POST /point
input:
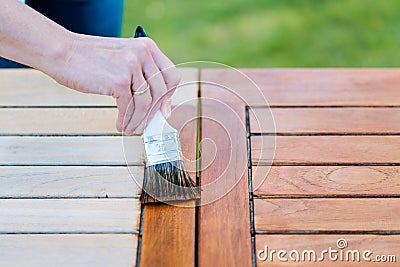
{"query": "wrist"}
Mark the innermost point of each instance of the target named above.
(58, 52)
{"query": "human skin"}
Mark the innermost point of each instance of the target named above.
(90, 64)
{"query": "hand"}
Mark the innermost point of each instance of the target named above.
(117, 67)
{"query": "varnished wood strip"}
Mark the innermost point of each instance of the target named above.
(327, 214)
(28, 87)
(69, 215)
(171, 229)
(326, 180)
(326, 120)
(97, 150)
(224, 224)
(168, 235)
(68, 250)
(326, 149)
(70, 182)
(314, 87)
(386, 246)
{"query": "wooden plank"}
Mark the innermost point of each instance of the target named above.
(69, 182)
(378, 245)
(326, 180)
(58, 121)
(68, 250)
(326, 120)
(315, 87)
(172, 230)
(327, 214)
(224, 215)
(28, 87)
(168, 236)
(98, 150)
(69, 216)
(326, 149)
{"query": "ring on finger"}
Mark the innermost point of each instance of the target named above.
(143, 91)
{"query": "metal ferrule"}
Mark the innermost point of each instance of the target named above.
(162, 148)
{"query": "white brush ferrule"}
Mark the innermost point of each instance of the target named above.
(161, 141)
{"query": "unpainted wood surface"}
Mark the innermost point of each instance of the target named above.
(93, 150)
(48, 250)
(69, 216)
(327, 180)
(27, 87)
(224, 226)
(337, 214)
(379, 246)
(326, 120)
(326, 149)
(33, 104)
(70, 182)
(315, 87)
(58, 121)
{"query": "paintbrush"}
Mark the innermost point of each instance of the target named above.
(165, 178)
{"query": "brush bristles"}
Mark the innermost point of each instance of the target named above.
(168, 182)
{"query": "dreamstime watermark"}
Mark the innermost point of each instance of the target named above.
(339, 253)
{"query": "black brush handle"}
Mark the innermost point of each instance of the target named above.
(140, 32)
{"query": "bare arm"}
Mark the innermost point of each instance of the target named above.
(90, 64)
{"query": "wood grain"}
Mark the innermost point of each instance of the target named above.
(28, 87)
(69, 216)
(326, 180)
(315, 87)
(327, 214)
(224, 226)
(69, 182)
(68, 250)
(378, 245)
(98, 150)
(326, 120)
(326, 149)
(168, 236)
(58, 121)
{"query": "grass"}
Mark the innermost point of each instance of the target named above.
(272, 33)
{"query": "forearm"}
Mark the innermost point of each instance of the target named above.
(30, 38)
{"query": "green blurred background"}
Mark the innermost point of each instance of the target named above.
(272, 33)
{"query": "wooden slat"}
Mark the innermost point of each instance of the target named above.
(69, 215)
(68, 250)
(27, 87)
(69, 182)
(58, 121)
(378, 245)
(169, 231)
(326, 120)
(172, 230)
(224, 224)
(316, 87)
(99, 150)
(326, 180)
(326, 149)
(327, 214)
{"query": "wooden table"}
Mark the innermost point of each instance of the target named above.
(68, 199)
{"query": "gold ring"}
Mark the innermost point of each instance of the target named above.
(142, 92)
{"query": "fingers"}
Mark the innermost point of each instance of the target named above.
(125, 110)
(158, 87)
(171, 75)
(152, 68)
(142, 102)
